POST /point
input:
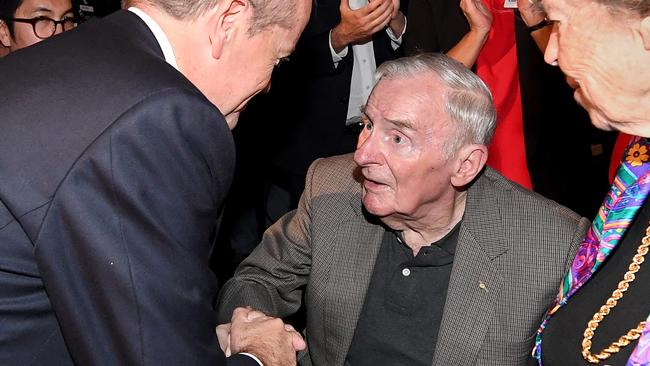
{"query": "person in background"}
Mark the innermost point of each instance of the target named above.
(601, 312)
(26, 22)
(115, 158)
(539, 124)
(411, 252)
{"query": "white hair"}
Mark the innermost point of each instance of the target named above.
(468, 100)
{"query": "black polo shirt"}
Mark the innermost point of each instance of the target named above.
(401, 316)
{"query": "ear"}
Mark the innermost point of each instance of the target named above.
(470, 160)
(228, 17)
(645, 32)
(5, 35)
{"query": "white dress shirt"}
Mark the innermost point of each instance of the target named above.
(363, 68)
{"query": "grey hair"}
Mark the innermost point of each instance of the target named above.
(468, 100)
(640, 8)
(266, 13)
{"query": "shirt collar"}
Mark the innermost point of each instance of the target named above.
(162, 39)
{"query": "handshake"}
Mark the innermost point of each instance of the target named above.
(269, 339)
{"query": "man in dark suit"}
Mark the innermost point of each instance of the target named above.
(115, 157)
(414, 253)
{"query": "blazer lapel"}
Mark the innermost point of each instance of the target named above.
(357, 244)
(475, 281)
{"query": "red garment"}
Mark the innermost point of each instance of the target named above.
(497, 65)
(622, 140)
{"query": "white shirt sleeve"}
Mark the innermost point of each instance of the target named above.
(337, 57)
(395, 41)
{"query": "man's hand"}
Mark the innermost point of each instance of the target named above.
(358, 26)
(397, 19)
(268, 338)
(478, 16)
(223, 335)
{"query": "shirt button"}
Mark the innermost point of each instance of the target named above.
(406, 272)
(364, 60)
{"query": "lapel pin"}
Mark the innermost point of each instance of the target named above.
(482, 286)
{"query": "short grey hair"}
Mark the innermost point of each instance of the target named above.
(641, 8)
(468, 100)
(265, 12)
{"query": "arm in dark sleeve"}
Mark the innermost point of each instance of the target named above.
(124, 248)
(313, 55)
(420, 34)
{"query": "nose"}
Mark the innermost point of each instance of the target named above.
(550, 54)
(364, 153)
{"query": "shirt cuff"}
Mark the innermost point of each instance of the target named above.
(253, 357)
(337, 57)
(395, 41)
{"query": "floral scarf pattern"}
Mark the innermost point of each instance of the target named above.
(628, 192)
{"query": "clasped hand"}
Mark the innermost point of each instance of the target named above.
(266, 337)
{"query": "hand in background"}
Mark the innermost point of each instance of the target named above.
(358, 25)
(397, 19)
(478, 16)
(531, 12)
(268, 338)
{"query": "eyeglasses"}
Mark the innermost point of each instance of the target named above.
(45, 27)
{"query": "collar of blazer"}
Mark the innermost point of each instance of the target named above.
(482, 218)
(473, 288)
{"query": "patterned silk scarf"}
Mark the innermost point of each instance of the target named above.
(628, 192)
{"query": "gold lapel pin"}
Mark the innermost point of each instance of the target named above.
(482, 286)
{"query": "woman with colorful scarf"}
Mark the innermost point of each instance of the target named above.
(601, 314)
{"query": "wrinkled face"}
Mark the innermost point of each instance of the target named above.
(23, 35)
(604, 60)
(400, 149)
(260, 54)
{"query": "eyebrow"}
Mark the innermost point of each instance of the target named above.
(399, 123)
(48, 10)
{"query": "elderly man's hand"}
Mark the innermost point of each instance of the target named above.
(358, 25)
(268, 338)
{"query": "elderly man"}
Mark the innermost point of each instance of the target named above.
(115, 157)
(414, 253)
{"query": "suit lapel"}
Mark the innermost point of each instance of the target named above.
(357, 244)
(475, 281)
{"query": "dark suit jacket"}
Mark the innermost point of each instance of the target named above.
(113, 168)
(515, 242)
(555, 126)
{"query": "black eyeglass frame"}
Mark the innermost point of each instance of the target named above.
(33, 21)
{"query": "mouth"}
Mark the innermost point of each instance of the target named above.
(372, 185)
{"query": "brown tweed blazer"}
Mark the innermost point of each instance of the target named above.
(514, 247)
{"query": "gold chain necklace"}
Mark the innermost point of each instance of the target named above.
(611, 302)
